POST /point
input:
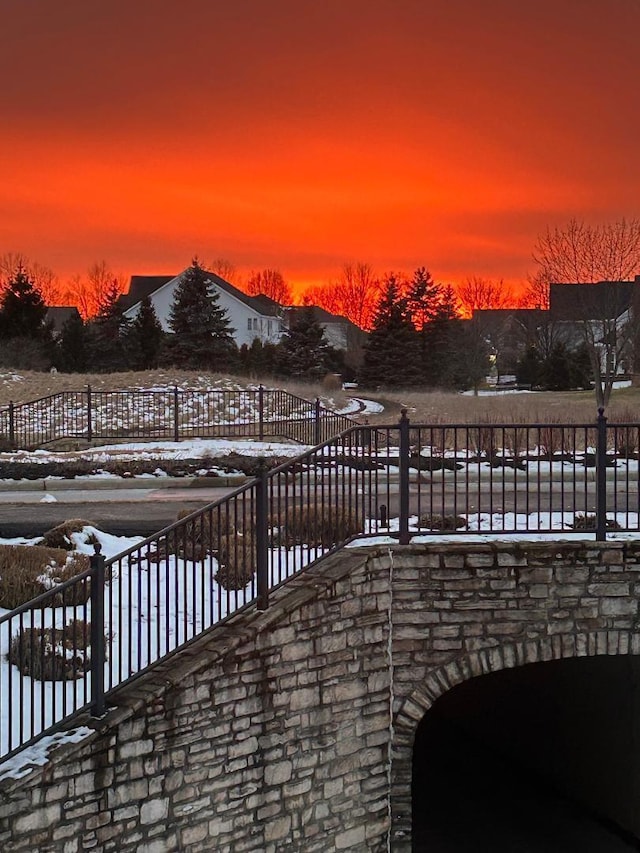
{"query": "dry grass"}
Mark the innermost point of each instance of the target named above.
(26, 571)
(33, 385)
(318, 526)
(60, 535)
(53, 654)
(434, 407)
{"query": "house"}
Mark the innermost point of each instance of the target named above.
(339, 332)
(508, 333)
(58, 315)
(250, 317)
(604, 315)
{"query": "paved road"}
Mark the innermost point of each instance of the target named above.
(124, 512)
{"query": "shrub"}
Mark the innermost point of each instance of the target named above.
(588, 522)
(60, 535)
(318, 525)
(442, 522)
(53, 654)
(203, 534)
(26, 571)
(332, 382)
(236, 561)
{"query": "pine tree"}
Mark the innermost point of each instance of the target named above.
(22, 308)
(106, 332)
(202, 335)
(144, 338)
(391, 354)
(443, 350)
(72, 348)
(303, 350)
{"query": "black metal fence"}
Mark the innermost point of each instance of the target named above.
(172, 414)
(77, 642)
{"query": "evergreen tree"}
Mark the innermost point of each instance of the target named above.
(423, 299)
(303, 350)
(258, 358)
(144, 338)
(72, 348)
(22, 309)
(106, 332)
(391, 354)
(202, 335)
(528, 368)
(444, 354)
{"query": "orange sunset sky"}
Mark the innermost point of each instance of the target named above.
(309, 133)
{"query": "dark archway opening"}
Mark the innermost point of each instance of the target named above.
(537, 759)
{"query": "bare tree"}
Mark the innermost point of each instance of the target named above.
(600, 259)
(354, 294)
(43, 278)
(583, 254)
(88, 292)
(536, 294)
(271, 283)
(478, 294)
(225, 269)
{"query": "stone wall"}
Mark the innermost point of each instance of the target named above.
(274, 733)
(271, 735)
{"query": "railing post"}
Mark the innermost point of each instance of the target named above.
(601, 478)
(176, 414)
(317, 431)
(12, 426)
(261, 411)
(89, 415)
(262, 544)
(97, 632)
(404, 479)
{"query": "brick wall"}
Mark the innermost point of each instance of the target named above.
(273, 733)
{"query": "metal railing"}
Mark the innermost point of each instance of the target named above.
(101, 629)
(171, 414)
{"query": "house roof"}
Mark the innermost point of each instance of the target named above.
(320, 314)
(141, 286)
(58, 315)
(602, 300)
(145, 285)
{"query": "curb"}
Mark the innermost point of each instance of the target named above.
(97, 483)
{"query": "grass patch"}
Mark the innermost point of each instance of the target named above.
(317, 525)
(26, 571)
(53, 654)
(60, 535)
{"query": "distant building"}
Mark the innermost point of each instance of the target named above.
(250, 317)
(509, 332)
(339, 332)
(57, 316)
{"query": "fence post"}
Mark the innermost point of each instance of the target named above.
(317, 431)
(176, 415)
(404, 479)
(262, 545)
(89, 415)
(601, 478)
(261, 411)
(12, 426)
(97, 632)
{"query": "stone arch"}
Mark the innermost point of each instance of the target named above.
(466, 666)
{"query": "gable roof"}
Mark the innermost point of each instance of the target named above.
(602, 300)
(141, 286)
(58, 315)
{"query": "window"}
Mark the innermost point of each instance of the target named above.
(249, 323)
(255, 324)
